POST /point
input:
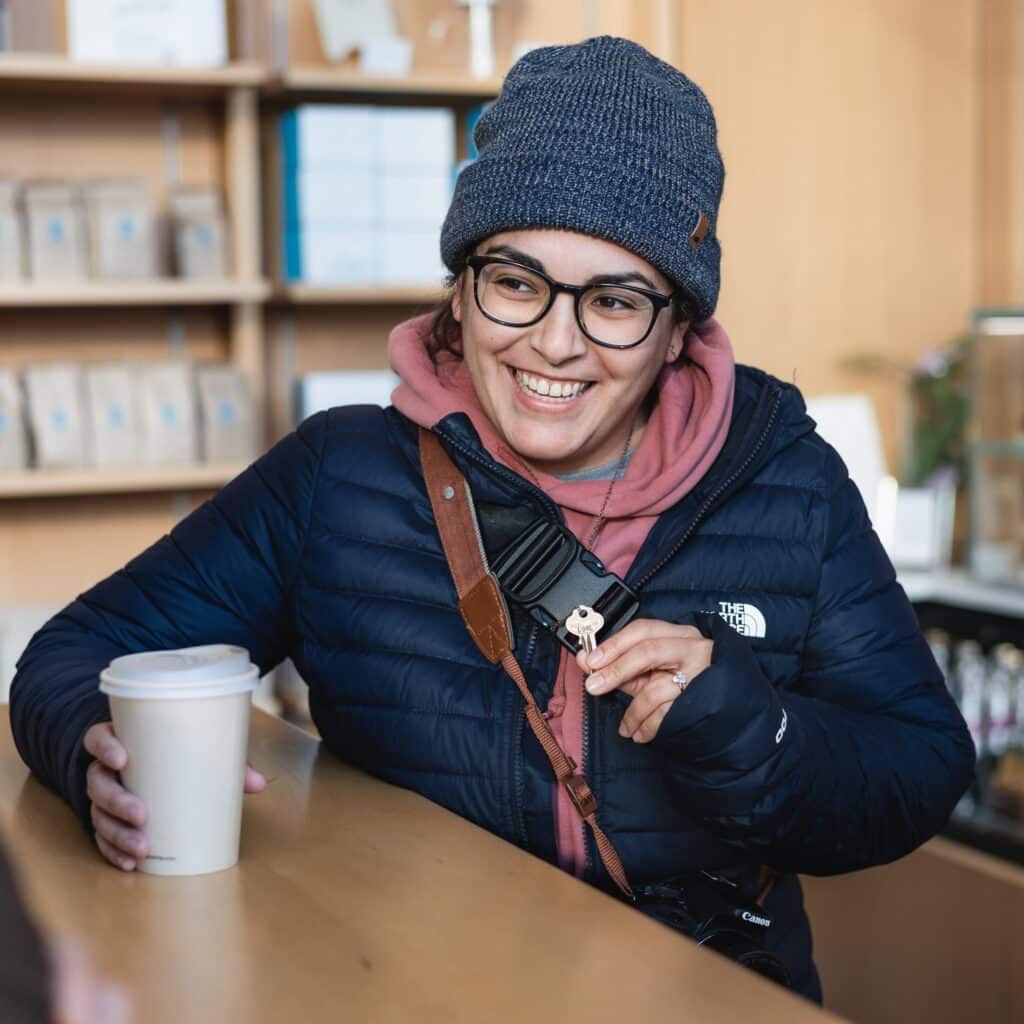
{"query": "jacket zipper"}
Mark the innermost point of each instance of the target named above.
(687, 533)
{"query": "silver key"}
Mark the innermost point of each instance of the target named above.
(584, 624)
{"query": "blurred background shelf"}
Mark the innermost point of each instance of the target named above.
(322, 83)
(371, 295)
(44, 73)
(954, 588)
(40, 483)
(168, 292)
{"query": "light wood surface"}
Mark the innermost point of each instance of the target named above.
(384, 295)
(165, 292)
(306, 82)
(936, 937)
(37, 483)
(850, 136)
(45, 72)
(355, 900)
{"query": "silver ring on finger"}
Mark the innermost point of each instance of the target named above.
(679, 678)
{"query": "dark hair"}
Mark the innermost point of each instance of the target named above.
(445, 334)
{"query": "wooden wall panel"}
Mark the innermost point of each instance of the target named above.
(1000, 145)
(52, 549)
(849, 133)
(936, 937)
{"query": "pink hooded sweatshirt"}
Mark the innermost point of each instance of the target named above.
(684, 434)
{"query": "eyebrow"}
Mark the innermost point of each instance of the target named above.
(629, 277)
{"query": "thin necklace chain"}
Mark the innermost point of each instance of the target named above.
(617, 474)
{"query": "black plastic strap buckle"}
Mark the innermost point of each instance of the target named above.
(548, 572)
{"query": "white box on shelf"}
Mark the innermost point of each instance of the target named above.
(418, 137)
(121, 230)
(11, 233)
(112, 414)
(167, 406)
(390, 57)
(340, 195)
(185, 33)
(55, 415)
(200, 233)
(226, 414)
(410, 257)
(55, 232)
(319, 135)
(414, 199)
(13, 438)
(326, 389)
(342, 256)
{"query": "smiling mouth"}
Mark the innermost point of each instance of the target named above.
(546, 389)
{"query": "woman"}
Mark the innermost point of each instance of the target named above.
(773, 702)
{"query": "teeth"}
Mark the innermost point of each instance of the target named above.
(549, 388)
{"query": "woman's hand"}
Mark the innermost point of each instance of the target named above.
(640, 660)
(117, 815)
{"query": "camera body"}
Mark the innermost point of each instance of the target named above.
(709, 909)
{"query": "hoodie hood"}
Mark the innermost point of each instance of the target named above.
(686, 430)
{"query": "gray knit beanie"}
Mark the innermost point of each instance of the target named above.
(603, 138)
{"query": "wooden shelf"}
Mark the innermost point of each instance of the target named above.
(369, 295)
(322, 82)
(45, 73)
(42, 483)
(166, 292)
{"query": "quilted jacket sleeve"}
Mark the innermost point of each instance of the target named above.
(222, 575)
(857, 766)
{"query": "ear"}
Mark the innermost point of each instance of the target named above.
(677, 342)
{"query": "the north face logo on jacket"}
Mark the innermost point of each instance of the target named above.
(746, 619)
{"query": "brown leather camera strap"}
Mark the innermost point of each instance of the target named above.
(486, 616)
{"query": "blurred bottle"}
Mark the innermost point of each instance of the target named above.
(942, 651)
(1001, 698)
(970, 672)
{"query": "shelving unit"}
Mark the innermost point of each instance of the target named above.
(377, 295)
(164, 292)
(48, 483)
(304, 83)
(45, 73)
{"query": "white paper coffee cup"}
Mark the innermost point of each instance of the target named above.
(183, 716)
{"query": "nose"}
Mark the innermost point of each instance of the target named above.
(558, 337)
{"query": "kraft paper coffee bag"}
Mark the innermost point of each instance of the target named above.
(11, 233)
(55, 232)
(13, 439)
(121, 230)
(167, 405)
(115, 428)
(200, 233)
(226, 414)
(54, 396)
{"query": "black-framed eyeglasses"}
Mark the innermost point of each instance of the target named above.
(611, 315)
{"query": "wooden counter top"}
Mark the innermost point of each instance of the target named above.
(356, 900)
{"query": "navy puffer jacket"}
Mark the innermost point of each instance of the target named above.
(820, 740)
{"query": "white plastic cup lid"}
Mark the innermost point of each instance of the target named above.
(215, 670)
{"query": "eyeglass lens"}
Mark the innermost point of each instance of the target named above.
(611, 314)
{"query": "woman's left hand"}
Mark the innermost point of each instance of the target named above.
(640, 660)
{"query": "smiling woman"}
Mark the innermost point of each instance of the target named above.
(718, 667)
